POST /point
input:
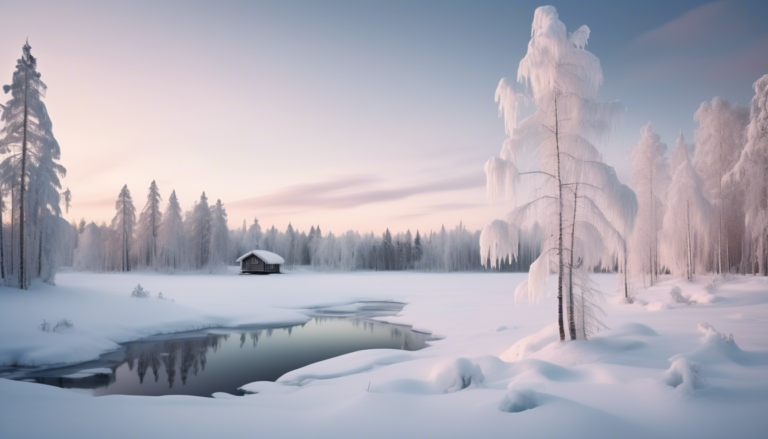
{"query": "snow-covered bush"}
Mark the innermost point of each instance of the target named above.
(518, 400)
(140, 292)
(677, 296)
(711, 335)
(161, 297)
(684, 375)
(457, 375)
(62, 324)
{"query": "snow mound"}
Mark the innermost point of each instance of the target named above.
(348, 364)
(457, 375)
(684, 375)
(531, 344)
(518, 400)
(633, 329)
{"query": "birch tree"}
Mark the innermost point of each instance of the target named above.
(650, 178)
(686, 218)
(719, 141)
(751, 173)
(562, 80)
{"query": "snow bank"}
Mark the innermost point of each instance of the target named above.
(625, 381)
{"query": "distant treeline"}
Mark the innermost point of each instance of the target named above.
(200, 240)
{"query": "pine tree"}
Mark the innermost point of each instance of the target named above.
(171, 237)
(148, 226)
(31, 171)
(123, 223)
(219, 235)
(200, 232)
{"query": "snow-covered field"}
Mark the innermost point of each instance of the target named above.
(663, 369)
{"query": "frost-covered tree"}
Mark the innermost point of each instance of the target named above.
(686, 218)
(650, 179)
(123, 224)
(171, 239)
(89, 255)
(751, 173)
(562, 79)
(148, 227)
(199, 224)
(254, 236)
(31, 171)
(720, 139)
(219, 235)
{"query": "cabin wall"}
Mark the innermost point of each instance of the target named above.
(252, 263)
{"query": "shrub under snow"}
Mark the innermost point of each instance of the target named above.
(458, 375)
(140, 292)
(684, 375)
(518, 400)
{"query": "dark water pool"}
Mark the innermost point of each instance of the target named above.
(222, 360)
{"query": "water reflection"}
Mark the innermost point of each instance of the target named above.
(222, 362)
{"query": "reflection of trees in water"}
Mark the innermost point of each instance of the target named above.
(255, 337)
(191, 355)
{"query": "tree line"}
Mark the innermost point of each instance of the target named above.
(165, 239)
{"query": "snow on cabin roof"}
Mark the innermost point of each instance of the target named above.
(268, 257)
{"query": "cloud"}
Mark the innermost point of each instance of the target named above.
(436, 208)
(715, 41)
(353, 191)
(701, 24)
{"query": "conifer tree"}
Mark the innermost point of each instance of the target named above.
(123, 223)
(147, 230)
(31, 171)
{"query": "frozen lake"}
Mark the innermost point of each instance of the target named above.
(200, 363)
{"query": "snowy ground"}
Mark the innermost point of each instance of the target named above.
(663, 369)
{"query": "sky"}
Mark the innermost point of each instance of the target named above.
(350, 115)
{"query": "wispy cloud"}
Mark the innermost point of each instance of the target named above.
(699, 25)
(353, 191)
(709, 42)
(437, 208)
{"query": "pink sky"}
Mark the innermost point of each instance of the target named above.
(362, 117)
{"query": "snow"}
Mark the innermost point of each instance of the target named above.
(684, 370)
(266, 256)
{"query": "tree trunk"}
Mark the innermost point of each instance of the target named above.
(653, 228)
(560, 236)
(688, 258)
(2, 243)
(571, 317)
(22, 273)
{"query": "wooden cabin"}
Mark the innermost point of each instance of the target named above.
(260, 262)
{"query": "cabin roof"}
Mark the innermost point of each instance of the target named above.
(268, 257)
